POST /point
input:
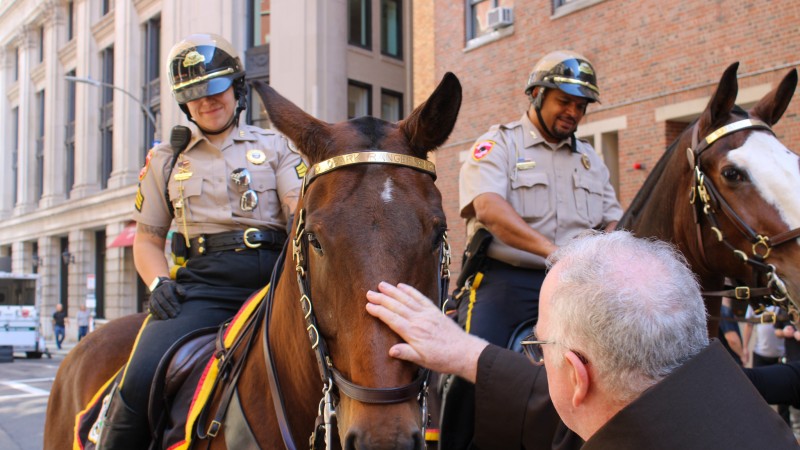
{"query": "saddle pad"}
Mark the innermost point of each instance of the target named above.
(202, 394)
(87, 427)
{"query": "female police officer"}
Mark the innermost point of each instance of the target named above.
(230, 190)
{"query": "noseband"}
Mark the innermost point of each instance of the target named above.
(333, 381)
(710, 201)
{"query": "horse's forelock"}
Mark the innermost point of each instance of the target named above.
(371, 130)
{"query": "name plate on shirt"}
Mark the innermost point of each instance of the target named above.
(526, 165)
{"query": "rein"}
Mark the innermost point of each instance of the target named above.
(711, 202)
(333, 381)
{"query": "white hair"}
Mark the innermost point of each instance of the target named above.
(631, 306)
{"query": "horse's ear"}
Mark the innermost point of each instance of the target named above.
(773, 105)
(431, 123)
(307, 132)
(722, 102)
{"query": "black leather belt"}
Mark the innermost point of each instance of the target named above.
(237, 240)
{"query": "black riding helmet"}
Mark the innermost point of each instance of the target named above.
(202, 65)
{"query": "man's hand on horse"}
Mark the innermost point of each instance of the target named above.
(165, 300)
(432, 339)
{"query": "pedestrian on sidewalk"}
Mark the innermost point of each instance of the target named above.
(83, 317)
(59, 324)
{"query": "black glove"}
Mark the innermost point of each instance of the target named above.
(165, 300)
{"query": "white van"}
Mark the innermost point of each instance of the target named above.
(19, 314)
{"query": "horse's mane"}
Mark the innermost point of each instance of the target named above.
(637, 205)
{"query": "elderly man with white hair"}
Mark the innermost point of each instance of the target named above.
(622, 335)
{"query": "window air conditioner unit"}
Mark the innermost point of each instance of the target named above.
(499, 17)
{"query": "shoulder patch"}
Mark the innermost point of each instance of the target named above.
(482, 149)
(139, 199)
(143, 172)
(301, 169)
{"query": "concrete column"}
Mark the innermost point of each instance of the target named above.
(308, 55)
(7, 56)
(87, 140)
(49, 278)
(27, 145)
(21, 257)
(55, 99)
(121, 276)
(128, 117)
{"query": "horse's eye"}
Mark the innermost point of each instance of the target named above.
(734, 174)
(439, 237)
(314, 243)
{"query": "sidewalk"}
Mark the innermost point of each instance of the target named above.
(65, 348)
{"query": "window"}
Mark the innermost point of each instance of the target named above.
(260, 22)
(391, 105)
(359, 23)
(359, 99)
(63, 279)
(69, 137)
(14, 153)
(100, 273)
(108, 6)
(392, 28)
(476, 16)
(107, 117)
(564, 7)
(35, 254)
(39, 145)
(70, 20)
(151, 91)
(604, 137)
(41, 44)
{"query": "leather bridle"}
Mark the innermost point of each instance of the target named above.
(711, 202)
(334, 383)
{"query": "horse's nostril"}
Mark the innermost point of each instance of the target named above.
(419, 441)
(350, 441)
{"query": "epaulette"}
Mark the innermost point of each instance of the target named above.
(510, 125)
(262, 131)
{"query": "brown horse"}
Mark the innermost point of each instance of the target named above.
(726, 193)
(369, 212)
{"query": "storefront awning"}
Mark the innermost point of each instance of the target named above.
(125, 237)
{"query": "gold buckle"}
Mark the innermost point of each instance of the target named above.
(213, 429)
(772, 317)
(247, 240)
(742, 292)
(763, 241)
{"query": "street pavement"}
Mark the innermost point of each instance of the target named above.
(24, 389)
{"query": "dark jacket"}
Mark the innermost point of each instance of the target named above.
(707, 403)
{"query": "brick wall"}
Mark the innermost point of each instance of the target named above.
(648, 54)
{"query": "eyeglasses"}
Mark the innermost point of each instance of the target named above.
(249, 199)
(532, 347)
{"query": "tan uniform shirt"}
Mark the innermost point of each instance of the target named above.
(207, 196)
(558, 192)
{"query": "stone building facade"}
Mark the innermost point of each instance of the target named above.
(71, 151)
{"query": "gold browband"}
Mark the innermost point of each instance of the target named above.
(370, 157)
(735, 126)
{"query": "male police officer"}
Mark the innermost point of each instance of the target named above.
(533, 186)
(230, 189)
